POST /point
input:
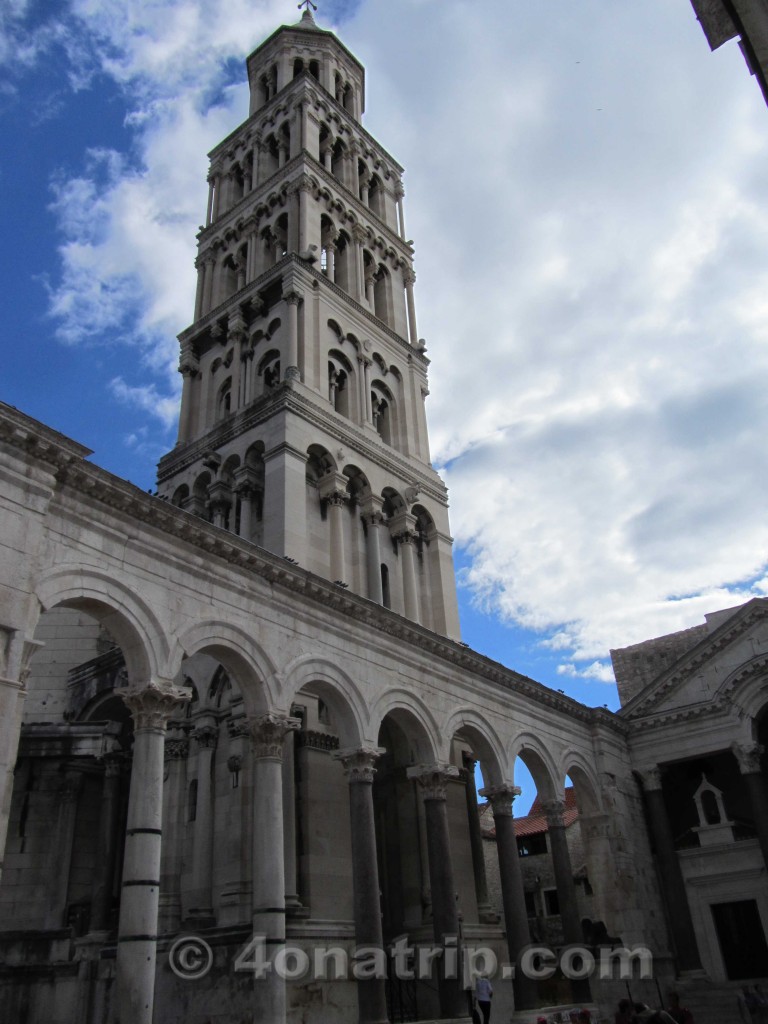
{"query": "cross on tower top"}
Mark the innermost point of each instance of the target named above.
(307, 4)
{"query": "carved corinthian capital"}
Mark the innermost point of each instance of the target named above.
(554, 810)
(268, 733)
(749, 756)
(152, 705)
(433, 778)
(358, 762)
(501, 799)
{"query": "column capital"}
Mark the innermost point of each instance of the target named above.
(359, 234)
(409, 276)
(206, 737)
(358, 762)
(153, 704)
(651, 777)
(501, 798)
(748, 756)
(554, 810)
(176, 749)
(433, 778)
(292, 298)
(268, 733)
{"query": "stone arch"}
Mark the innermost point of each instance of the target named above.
(240, 655)
(359, 486)
(415, 720)
(134, 625)
(486, 744)
(539, 763)
(585, 784)
(320, 463)
(268, 370)
(745, 687)
(342, 383)
(385, 415)
(324, 679)
(180, 496)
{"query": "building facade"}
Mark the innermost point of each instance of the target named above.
(239, 709)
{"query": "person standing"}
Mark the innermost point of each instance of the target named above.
(484, 995)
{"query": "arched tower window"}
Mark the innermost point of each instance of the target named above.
(386, 599)
(376, 197)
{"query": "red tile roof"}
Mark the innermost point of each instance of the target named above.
(535, 822)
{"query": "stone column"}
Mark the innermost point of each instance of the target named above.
(200, 266)
(245, 493)
(106, 856)
(405, 538)
(330, 268)
(189, 368)
(209, 212)
(373, 518)
(60, 850)
(445, 912)
(151, 706)
(209, 261)
(413, 334)
(267, 735)
(292, 901)
(12, 695)
(367, 407)
(305, 187)
(369, 290)
(335, 502)
(201, 909)
(358, 238)
(512, 891)
(749, 758)
(359, 769)
(291, 371)
(670, 875)
(237, 334)
(176, 751)
(476, 843)
(216, 195)
(399, 194)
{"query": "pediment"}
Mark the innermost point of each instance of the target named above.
(732, 649)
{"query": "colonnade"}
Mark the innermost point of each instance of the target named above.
(270, 736)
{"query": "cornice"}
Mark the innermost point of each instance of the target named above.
(48, 445)
(286, 397)
(101, 488)
(735, 626)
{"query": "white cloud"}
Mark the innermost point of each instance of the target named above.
(587, 196)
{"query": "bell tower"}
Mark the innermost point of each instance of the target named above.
(302, 424)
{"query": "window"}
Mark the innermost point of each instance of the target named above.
(551, 903)
(529, 846)
(530, 904)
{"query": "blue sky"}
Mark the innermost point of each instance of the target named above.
(586, 192)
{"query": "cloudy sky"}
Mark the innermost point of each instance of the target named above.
(587, 194)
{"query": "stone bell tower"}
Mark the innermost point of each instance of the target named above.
(302, 424)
